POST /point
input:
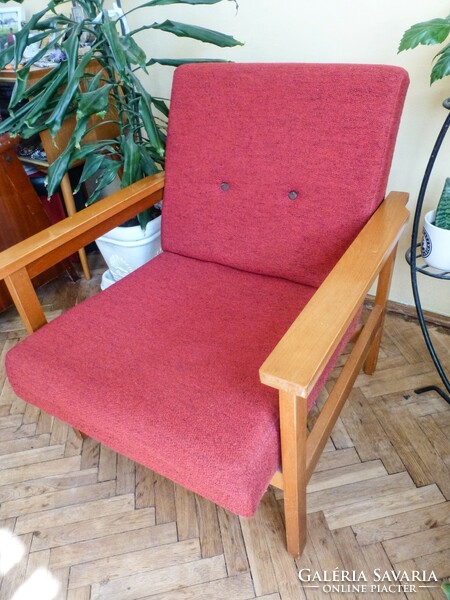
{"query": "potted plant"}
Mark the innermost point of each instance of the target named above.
(436, 233)
(436, 230)
(119, 128)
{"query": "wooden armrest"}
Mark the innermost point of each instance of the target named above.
(51, 245)
(299, 358)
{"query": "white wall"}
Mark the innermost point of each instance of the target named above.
(328, 31)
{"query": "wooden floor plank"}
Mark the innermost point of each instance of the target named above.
(376, 558)
(359, 492)
(66, 515)
(37, 471)
(232, 542)
(98, 527)
(106, 546)
(186, 513)
(56, 499)
(36, 487)
(325, 547)
(383, 506)
(340, 458)
(22, 444)
(264, 578)
(133, 562)
(161, 581)
(208, 528)
(400, 525)
(238, 587)
(284, 566)
(345, 475)
(418, 544)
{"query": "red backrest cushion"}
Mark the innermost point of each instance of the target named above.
(274, 168)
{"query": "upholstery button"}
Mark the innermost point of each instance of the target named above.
(292, 195)
(225, 186)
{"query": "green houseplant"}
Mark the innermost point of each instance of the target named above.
(432, 32)
(98, 86)
(111, 93)
(436, 234)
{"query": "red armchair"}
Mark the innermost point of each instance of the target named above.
(274, 228)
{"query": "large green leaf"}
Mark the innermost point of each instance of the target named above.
(161, 105)
(71, 47)
(148, 119)
(41, 100)
(133, 52)
(55, 120)
(14, 123)
(95, 102)
(434, 31)
(20, 87)
(94, 81)
(110, 169)
(22, 36)
(90, 168)
(197, 33)
(176, 62)
(117, 50)
(148, 165)
(6, 56)
(105, 146)
(131, 159)
(59, 168)
(80, 129)
(441, 67)
(46, 80)
(446, 590)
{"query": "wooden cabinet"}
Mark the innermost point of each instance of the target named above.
(21, 212)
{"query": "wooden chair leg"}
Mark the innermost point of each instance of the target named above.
(381, 298)
(293, 413)
(25, 299)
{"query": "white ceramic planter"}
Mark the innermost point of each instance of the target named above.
(435, 244)
(128, 248)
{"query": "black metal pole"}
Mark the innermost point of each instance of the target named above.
(413, 261)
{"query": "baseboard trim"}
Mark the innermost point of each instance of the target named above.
(410, 312)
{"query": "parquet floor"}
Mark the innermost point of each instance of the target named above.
(77, 517)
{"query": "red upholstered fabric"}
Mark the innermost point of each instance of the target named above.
(163, 367)
(242, 137)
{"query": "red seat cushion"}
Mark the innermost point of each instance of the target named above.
(163, 368)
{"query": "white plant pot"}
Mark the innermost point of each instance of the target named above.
(435, 244)
(127, 248)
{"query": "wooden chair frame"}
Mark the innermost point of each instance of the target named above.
(297, 361)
